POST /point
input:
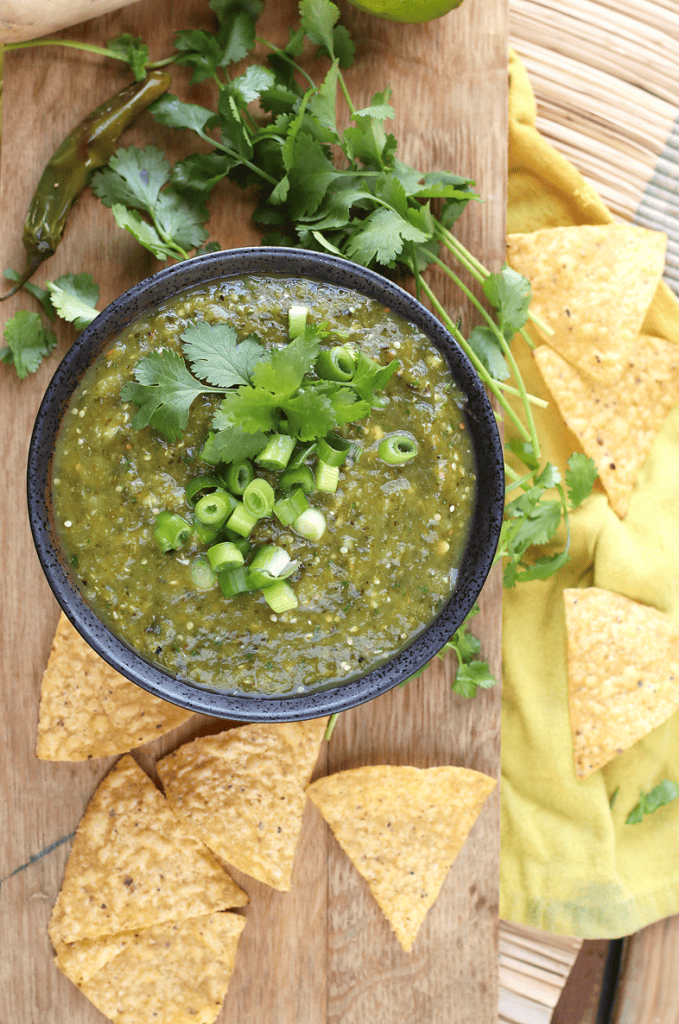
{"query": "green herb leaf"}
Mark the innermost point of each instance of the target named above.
(28, 342)
(214, 354)
(145, 233)
(659, 796)
(282, 370)
(511, 295)
(318, 20)
(132, 49)
(232, 444)
(164, 391)
(134, 177)
(174, 113)
(485, 344)
(581, 472)
(381, 237)
(41, 294)
(73, 297)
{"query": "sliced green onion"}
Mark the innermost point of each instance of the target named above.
(337, 363)
(289, 508)
(297, 320)
(234, 581)
(327, 477)
(242, 544)
(273, 561)
(280, 597)
(310, 524)
(277, 453)
(171, 531)
(201, 574)
(259, 498)
(241, 521)
(302, 477)
(224, 556)
(333, 449)
(301, 453)
(239, 475)
(215, 508)
(206, 534)
(397, 449)
(199, 485)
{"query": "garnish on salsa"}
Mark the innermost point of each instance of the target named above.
(246, 526)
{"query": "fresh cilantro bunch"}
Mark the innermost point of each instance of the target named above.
(263, 391)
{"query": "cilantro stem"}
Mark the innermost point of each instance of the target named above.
(345, 93)
(331, 726)
(288, 60)
(88, 48)
(490, 382)
(531, 398)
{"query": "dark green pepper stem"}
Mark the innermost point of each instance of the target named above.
(90, 145)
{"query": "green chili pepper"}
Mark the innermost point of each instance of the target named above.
(90, 145)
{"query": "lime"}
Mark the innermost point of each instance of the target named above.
(410, 11)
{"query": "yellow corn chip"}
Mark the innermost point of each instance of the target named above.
(592, 285)
(81, 960)
(402, 828)
(242, 793)
(87, 709)
(623, 673)
(134, 865)
(617, 424)
(174, 973)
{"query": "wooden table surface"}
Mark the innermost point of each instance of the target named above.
(322, 952)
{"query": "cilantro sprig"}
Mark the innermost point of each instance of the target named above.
(261, 389)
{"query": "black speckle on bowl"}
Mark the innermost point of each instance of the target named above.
(483, 534)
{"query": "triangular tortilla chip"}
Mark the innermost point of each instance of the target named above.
(402, 828)
(617, 424)
(592, 284)
(242, 793)
(174, 973)
(623, 673)
(87, 709)
(134, 865)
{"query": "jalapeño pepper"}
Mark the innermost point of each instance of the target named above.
(90, 145)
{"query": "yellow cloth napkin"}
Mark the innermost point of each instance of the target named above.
(570, 864)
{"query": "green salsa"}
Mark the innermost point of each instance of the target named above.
(395, 534)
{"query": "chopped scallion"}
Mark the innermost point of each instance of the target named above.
(301, 453)
(300, 477)
(198, 486)
(310, 524)
(333, 449)
(239, 475)
(337, 364)
(259, 498)
(289, 508)
(201, 574)
(327, 477)
(397, 449)
(297, 317)
(280, 597)
(277, 453)
(224, 556)
(241, 521)
(171, 531)
(215, 508)
(234, 581)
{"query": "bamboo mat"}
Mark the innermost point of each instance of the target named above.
(606, 79)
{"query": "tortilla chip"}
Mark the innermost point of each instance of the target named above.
(81, 960)
(402, 828)
(617, 424)
(623, 673)
(242, 793)
(87, 709)
(174, 973)
(592, 285)
(133, 865)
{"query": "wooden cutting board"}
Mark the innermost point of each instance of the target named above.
(322, 952)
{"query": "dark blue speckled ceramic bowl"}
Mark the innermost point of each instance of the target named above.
(483, 535)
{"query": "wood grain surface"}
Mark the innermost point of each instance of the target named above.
(648, 990)
(323, 952)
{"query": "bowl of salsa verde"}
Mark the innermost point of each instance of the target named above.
(266, 484)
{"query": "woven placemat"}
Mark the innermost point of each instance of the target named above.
(606, 80)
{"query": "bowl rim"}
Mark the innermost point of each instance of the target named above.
(484, 529)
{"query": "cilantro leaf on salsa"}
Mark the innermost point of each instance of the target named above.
(164, 391)
(214, 354)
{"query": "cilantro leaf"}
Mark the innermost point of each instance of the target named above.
(318, 20)
(486, 346)
(471, 672)
(343, 47)
(145, 233)
(134, 177)
(180, 220)
(132, 49)
(74, 297)
(323, 103)
(214, 354)
(252, 409)
(194, 177)
(381, 237)
(164, 391)
(232, 444)
(471, 675)
(41, 294)
(510, 293)
(310, 414)
(370, 377)
(310, 176)
(174, 113)
(581, 472)
(250, 85)
(659, 796)
(282, 370)
(28, 342)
